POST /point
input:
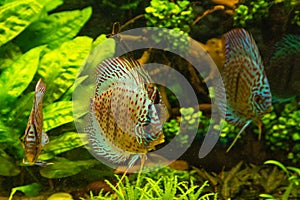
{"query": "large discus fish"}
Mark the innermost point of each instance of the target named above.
(125, 119)
(247, 88)
(35, 138)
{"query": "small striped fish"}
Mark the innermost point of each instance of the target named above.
(247, 88)
(125, 121)
(35, 138)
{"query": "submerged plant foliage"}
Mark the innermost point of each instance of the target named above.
(251, 11)
(283, 130)
(293, 176)
(177, 16)
(149, 186)
(189, 117)
(169, 14)
(35, 44)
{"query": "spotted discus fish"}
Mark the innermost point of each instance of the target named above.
(247, 88)
(35, 138)
(125, 119)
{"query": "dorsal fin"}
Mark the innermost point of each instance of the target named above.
(239, 43)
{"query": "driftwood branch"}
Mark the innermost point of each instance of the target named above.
(215, 8)
(131, 21)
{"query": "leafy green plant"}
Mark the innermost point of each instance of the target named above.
(282, 130)
(293, 176)
(163, 187)
(177, 16)
(189, 117)
(168, 14)
(35, 44)
(256, 10)
(251, 11)
(31, 190)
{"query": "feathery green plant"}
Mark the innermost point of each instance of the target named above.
(164, 188)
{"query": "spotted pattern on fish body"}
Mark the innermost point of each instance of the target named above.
(247, 89)
(34, 137)
(124, 120)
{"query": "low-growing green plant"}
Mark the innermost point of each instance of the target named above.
(163, 187)
(30, 190)
(293, 176)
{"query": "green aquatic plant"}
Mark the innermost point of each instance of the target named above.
(163, 187)
(251, 11)
(169, 14)
(293, 177)
(35, 44)
(182, 175)
(282, 129)
(31, 190)
(177, 16)
(254, 10)
(249, 181)
(123, 5)
(189, 118)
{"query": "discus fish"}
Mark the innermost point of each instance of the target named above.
(125, 121)
(35, 138)
(247, 88)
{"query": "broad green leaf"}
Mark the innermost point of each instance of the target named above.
(64, 168)
(294, 169)
(18, 116)
(7, 165)
(50, 4)
(57, 114)
(9, 140)
(31, 190)
(54, 29)
(8, 54)
(104, 49)
(15, 79)
(278, 164)
(59, 67)
(15, 17)
(68, 95)
(3, 2)
(99, 40)
(61, 144)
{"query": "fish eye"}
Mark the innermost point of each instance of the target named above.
(258, 99)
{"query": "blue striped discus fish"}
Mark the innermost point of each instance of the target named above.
(35, 138)
(247, 88)
(124, 119)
